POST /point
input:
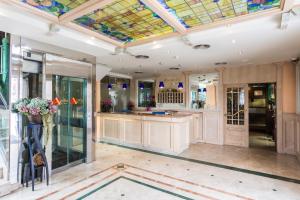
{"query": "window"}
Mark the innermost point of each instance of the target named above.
(203, 91)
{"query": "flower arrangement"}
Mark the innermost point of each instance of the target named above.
(130, 106)
(106, 105)
(34, 107)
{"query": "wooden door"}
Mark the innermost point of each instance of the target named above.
(236, 115)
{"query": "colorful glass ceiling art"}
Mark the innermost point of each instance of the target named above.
(55, 7)
(131, 20)
(196, 12)
(126, 21)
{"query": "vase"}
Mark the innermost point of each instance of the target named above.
(35, 119)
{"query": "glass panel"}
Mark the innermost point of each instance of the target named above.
(125, 21)
(69, 132)
(235, 106)
(118, 97)
(60, 130)
(77, 129)
(203, 90)
(146, 94)
(4, 101)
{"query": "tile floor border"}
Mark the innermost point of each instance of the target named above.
(135, 181)
(263, 174)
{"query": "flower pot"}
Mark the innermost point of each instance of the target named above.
(35, 119)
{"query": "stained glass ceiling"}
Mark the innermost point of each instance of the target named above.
(55, 7)
(193, 13)
(131, 20)
(125, 20)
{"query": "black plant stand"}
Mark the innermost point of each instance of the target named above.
(32, 145)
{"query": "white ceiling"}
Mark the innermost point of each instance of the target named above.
(247, 43)
(256, 42)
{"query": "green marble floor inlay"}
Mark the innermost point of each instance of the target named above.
(130, 189)
(282, 178)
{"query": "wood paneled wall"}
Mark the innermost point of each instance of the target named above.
(298, 137)
(250, 74)
(291, 134)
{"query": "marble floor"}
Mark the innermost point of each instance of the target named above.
(259, 160)
(261, 140)
(122, 173)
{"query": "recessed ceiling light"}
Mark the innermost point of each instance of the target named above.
(221, 63)
(141, 57)
(233, 41)
(201, 46)
(138, 72)
(174, 68)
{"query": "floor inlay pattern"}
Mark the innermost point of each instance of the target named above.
(122, 173)
(116, 181)
(258, 173)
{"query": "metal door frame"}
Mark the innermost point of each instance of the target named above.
(61, 66)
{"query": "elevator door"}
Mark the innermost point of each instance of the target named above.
(69, 132)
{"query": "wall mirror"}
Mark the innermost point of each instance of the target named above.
(203, 91)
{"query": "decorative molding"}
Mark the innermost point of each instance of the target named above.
(164, 14)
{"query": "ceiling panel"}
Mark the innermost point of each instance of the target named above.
(126, 21)
(55, 7)
(196, 12)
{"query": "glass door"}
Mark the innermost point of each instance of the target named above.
(236, 115)
(69, 132)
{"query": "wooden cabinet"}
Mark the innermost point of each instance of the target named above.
(167, 134)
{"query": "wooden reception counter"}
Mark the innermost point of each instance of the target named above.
(162, 133)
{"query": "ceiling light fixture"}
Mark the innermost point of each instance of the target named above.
(221, 63)
(201, 46)
(109, 86)
(233, 41)
(141, 86)
(124, 86)
(161, 85)
(180, 85)
(142, 57)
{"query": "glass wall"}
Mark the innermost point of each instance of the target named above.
(115, 94)
(203, 91)
(4, 105)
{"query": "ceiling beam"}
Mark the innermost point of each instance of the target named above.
(94, 34)
(287, 5)
(156, 7)
(83, 9)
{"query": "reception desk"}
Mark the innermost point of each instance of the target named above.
(162, 133)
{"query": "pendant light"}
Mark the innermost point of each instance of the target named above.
(141, 86)
(180, 85)
(124, 86)
(109, 86)
(161, 85)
